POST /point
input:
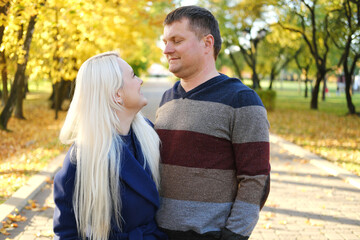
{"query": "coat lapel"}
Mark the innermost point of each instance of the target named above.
(136, 177)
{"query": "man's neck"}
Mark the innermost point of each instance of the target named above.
(198, 79)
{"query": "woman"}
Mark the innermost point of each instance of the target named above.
(107, 187)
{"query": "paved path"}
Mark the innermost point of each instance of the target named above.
(305, 201)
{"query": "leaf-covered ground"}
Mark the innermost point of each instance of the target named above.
(328, 131)
(30, 145)
(336, 138)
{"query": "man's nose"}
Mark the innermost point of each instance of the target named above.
(168, 49)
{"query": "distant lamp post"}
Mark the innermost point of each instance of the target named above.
(260, 35)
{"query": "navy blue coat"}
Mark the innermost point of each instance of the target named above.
(140, 200)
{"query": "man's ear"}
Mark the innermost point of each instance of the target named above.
(209, 42)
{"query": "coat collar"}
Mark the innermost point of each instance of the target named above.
(134, 174)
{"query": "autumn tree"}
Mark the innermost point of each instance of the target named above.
(70, 31)
(304, 64)
(17, 88)
(67, 33)
(243, 26)
(4, 7)
(312, 24)
(345, 34)
(278, 49)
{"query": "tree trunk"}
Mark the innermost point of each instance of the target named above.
(348, 80)
(324, 90)
(237, 69)
(349, 102)
(9, 106)
(306, 86)
(315, 93)
(255, 79)
(5, 95)
(19, 76)
(58, 97)
(4, 77)
(320, 75)
(272, 77)
(20, 88)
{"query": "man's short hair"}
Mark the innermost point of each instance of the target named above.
(201, 22)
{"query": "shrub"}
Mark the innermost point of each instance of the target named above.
(268, 98)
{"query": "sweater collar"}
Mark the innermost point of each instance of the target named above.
(206, 84)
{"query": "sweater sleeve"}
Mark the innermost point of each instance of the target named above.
(64, 217)
(250, 140)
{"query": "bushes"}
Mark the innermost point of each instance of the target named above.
(268, 98)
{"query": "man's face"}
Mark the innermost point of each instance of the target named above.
(183, 49)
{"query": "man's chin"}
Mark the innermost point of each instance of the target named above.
(173, 69)
(175, 72)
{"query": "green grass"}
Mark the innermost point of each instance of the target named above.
(290, 96)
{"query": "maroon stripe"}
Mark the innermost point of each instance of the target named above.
(252, 158)
(191, 149)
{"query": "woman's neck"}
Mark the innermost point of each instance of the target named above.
(126, 118)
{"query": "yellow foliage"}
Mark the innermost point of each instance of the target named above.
(67, 32)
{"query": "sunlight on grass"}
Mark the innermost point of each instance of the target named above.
(328, 132)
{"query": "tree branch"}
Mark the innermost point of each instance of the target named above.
(303, 35)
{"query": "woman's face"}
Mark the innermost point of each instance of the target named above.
(132, 98)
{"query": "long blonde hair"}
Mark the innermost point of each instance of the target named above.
(91, 124)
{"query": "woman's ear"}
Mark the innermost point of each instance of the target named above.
(118, 98)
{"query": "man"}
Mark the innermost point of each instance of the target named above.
(215, 138)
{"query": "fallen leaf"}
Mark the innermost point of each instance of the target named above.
(16, 218)
(269, 215)
(283, 222)
(312, 223)
(4, 232)
(267, 226)
(49, 180)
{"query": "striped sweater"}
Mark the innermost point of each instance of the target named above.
(215, 160)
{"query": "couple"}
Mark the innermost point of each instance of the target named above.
(214, 147)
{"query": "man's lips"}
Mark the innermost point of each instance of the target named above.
(173, 59)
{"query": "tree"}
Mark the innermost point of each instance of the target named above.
(70, 31)
(304, 63)
(346, 37)
(4, 7)
(313, 22)
(278, 49)
(18, 84)
(243, 26)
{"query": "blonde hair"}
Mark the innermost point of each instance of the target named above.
(91, 124)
